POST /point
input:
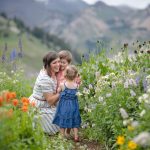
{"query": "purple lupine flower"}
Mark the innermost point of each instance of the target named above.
(5, 47)
(86, 57)
(20, 44)
(137, 80)
(20, 54)
(3, 58)
(13, 55)
(145, 84)
(4, 53)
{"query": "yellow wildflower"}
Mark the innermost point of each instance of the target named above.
(130, 128)
(132, 145)
(120, 140)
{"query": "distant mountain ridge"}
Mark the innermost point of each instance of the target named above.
(80, 24)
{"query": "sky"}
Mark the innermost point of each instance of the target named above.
(132, 3)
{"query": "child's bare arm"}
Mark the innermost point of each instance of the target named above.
(78, 80)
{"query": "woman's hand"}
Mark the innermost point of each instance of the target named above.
(59, 89)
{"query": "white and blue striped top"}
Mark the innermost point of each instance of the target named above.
(44, 84)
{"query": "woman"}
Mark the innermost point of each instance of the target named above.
(44, 92)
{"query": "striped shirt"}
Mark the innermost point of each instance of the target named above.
(44, 84)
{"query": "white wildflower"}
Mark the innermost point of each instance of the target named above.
(15, 81)
(113, 84)
(135, 124)
(148, 77)
(112, 74)
(131, 119)
(148, 91)
(123, 113)
(126, 85)
(132, 82)
(22, 70)
(132, 93)
(142, 113)
(89, 110)
(85, 125)
(142, 139)
(140, 99)
(125, 122)
(17, 74)
(112, 66)
(1, 80)
(86, 91)
(8, 78)
(79, 94)
(108, 95)
(97, 74)
(93, 125)
(90, 86)
(85, 108)
(145, 96)
(104, 103)
(106, 76)
(119, 54)
(101, 99)
(147, 101)
(12, 71)
(93, 106)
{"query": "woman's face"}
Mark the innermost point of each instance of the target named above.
(55, 65)
(63, 64)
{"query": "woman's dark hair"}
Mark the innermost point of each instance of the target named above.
(49, 57)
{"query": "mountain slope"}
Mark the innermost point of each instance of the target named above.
(32, 48)
(81, 25)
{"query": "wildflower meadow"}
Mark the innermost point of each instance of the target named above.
(114, 99)
(18, 128)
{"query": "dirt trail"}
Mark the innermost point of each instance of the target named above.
(85, 144)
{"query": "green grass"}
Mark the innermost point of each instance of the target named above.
(33, 50)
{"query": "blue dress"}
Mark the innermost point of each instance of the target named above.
(67, 113)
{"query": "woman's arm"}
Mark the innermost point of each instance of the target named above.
(51, 98)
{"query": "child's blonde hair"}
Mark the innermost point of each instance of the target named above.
(65, 54)
(71, 72)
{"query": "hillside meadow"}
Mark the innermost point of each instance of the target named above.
(114, 100)
(31, 43)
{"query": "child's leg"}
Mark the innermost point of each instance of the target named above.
(68, 130)
(75, 133)
(62, 131)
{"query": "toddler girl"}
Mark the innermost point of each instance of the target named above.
(67, 114)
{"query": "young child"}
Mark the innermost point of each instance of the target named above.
(65, 59)
(67, 114)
